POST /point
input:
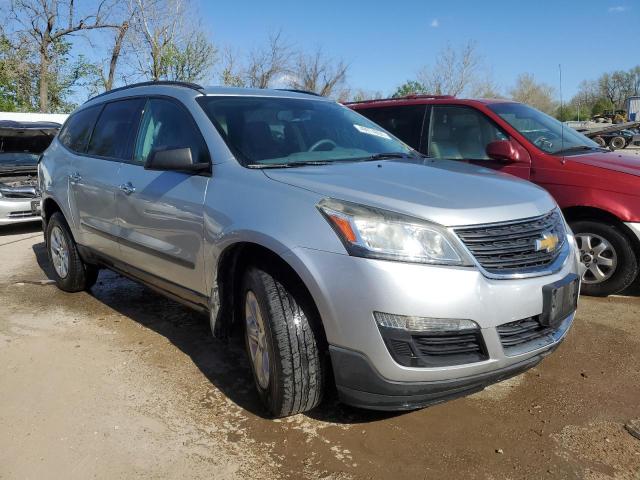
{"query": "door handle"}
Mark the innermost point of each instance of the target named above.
(127, 188)
(75, 177)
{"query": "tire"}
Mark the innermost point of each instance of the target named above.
(617, 143)
(623, 257)
(70, 272)
(295, 377)
(600, 141)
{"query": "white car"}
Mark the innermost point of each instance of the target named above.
(23, 137)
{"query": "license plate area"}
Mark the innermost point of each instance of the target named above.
(559, 300)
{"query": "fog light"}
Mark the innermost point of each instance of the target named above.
(423, 324)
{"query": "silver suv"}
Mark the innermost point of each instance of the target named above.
(343, 255)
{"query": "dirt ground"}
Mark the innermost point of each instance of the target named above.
(122, 383)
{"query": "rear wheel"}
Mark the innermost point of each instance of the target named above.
(617, 142)
(70, 272)
(282, 346)
(608, 256)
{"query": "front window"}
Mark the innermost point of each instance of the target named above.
(269, 131)
(545, 132)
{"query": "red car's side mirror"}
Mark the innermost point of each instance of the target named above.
(502, 150)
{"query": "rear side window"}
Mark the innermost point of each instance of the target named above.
(166, 125)
(116, 129)
(77, 130)
(404, 122)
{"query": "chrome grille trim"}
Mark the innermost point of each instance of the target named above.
(507, 249)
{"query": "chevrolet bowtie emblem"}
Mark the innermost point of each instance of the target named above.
(548, 242)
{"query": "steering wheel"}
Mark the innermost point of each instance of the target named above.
(542, 142)
(324, 141)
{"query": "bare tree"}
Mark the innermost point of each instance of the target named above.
(167, 42)
(453, 72)
(191, 61)
(267, 64)
(156, 24)
(537, 94)
(116, 51)
(319, 74)
(263, 67)
(48, 23)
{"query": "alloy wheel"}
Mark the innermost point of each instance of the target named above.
(257, 339)
(598, 256)
(59, 252)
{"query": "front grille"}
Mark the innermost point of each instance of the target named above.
(524, 335)
(511, 247)
(23, 214)
(434, 349)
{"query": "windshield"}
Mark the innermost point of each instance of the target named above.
(22, 147)
(264, 131)
(543, 131)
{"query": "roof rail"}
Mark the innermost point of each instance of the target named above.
(411, 96)
(297, 90)
(193, 86)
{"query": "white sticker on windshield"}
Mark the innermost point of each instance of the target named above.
(372, 131)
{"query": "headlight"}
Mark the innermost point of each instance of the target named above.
(375, 233)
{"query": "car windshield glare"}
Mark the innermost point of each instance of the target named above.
(545, 132)
(264, 131)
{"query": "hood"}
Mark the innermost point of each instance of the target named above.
(446, 192)
(619, 162)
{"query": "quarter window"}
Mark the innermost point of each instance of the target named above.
(404, 122)
(461, 133)
(115, 131)
(77, 130)
(165, 126)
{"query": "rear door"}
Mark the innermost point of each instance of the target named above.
(161, 212)
(95, 173)
(458, 132)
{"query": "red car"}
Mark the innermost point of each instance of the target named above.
(598, 190)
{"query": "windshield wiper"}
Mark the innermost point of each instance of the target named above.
(301, 163)
(386, 156)
(578, 148)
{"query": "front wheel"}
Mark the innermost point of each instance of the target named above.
(283, 349)
(608, 256)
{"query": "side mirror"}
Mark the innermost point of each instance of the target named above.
(179, 159)
(502, 150)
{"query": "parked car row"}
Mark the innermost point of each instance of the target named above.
(597, 189)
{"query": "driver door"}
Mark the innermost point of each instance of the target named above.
(161, 212)
(462, 133)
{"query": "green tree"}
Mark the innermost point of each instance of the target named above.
(408, 88)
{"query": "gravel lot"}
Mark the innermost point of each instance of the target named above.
(122, 383)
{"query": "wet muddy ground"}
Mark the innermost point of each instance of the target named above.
(122, 383)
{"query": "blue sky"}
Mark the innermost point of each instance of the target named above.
(387, 42)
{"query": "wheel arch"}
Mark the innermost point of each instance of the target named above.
(230, 268)
(597, 214)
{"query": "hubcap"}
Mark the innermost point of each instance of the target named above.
(59, 252)
(257, 340)
(598, 255)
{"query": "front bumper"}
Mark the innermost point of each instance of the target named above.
(347, 291)
(18, 210)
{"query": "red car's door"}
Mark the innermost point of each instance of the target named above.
(463, 133)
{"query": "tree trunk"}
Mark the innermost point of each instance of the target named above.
(44, 80)
(115, 54)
